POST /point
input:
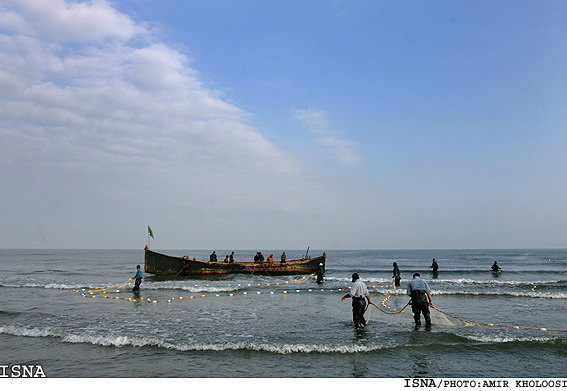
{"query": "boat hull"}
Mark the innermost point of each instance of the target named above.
(167, 265)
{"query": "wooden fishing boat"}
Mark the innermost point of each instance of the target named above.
(167, 265)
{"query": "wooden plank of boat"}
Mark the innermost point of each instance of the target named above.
(167, 265)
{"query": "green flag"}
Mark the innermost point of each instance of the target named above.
(150, 232)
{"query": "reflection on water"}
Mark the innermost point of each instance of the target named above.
(423, 365)
(359, 368)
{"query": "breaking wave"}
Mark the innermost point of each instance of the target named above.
(44, 286)
(508, 339)
(530, 294)
(284, 348)
(124, 340)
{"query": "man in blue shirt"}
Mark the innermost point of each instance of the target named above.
(138, 278)
(419, 292)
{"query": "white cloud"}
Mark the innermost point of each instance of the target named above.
(318, 123)
(345, 149)
(117, 98)
(93, 127)
(92, 21)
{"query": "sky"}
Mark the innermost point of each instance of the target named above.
(253, 124)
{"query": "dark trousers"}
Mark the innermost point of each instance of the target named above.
(137, 284)
(420, 305)
(358, 309)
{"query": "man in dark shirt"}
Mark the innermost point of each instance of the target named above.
(320, 273)
(495, 267)
(396, 276)
(434, 266)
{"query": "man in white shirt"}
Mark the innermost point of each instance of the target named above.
(358, 292)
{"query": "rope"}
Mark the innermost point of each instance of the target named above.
(108, 288)
(498, 325)
(184, 266)
(266, 270)
(391, 313)
(114, 286)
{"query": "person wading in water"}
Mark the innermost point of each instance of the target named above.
(358, 292)
(420, 295)
(138, 278)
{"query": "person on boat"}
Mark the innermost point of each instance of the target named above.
(495, 267)
(261, 259)
(231, 258)
(434, 266)
(419, 292)
(283, 257)
(138, 278)
(257, 257)
(396, 276)
(213, 257)
(270, 258)
(358, 292)
(320, 273)
(226, 259)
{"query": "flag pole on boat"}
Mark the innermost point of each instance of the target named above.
(150, 233)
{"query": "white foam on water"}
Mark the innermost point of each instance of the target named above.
(531, 294)
(506, 339)
(125, 340)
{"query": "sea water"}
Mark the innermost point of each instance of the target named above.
(508, 324)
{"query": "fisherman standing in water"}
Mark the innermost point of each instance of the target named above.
(320, 273)
(419, 292)
(396, 276)
(434, 266)
(138, 278)
(495, 267)
(358, 292)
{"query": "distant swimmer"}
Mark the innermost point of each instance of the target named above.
(495, 267)
(138, 278)
(434, 266)
(358, 292)
(320, 273)
(419, 292)
(396, 276)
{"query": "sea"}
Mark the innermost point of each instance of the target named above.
(73, 313)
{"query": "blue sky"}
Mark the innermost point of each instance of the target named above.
(261, 124)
